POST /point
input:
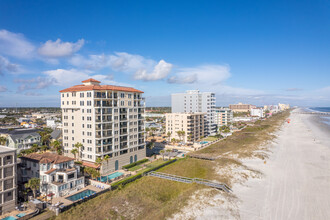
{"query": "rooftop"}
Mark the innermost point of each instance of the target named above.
(4, 149)
(48, 158)
(89, 87)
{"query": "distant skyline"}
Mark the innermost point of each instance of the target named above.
(258, 52)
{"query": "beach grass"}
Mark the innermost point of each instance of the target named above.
(154, 198)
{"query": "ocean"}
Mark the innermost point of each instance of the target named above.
(324, 119)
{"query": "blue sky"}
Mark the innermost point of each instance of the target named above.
(258, 52)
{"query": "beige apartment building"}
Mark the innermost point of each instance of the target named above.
(240, 107)
(191, 123)
(106, 120)
(223, 116)
(8, 179)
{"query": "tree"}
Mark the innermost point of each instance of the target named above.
(34, 185)
(45, 136)
(44, 148)
(57, 147)
(35, 148)
(169, 135)
(162, 152)
(173, 140)
(147, 132)
(169, 155)
(74, 151)
(78, 146)
(98, 161)
(3, 140)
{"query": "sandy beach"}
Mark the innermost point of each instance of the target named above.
(294, 184)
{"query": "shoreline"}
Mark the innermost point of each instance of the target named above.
(293, 184)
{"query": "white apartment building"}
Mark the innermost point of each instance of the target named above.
(257, 112)
(107, 120)
(57, 173)
(191, 123)
(196, 101)
(223, 116)
(8, 179)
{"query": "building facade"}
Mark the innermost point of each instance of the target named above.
(196, 101)
(106, 120)
(57, 173)
(191, 123)
(240, 107)
(8, 179)
(257, 112)
(21, 139)
(223, 116)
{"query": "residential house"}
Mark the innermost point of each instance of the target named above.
(58, 174)
(21, 139)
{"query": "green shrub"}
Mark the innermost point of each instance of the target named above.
(135, 163)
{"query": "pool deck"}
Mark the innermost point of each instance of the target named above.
(15, 212)
(66, 202)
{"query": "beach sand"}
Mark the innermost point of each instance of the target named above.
(295, 180)
(296, 183)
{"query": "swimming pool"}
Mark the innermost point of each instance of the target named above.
(80, 195)
(9, 218)
(21, 214)
(109, 177)
(203, 142)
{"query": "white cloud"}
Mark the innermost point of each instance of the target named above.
(57, 49)
(34, 83)
(6, 66)
(205, 74)
(63, 77)
(141, 68)
(15, 45)
(160, 71)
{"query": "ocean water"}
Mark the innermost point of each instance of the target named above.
(324, 119)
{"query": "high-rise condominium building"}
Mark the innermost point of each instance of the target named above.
(223, 116)
(8, 179)
(240, 107)
(191, 123)
(196, 101)
(106, 120)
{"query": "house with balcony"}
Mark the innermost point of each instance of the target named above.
(58, 174)
(21, 139)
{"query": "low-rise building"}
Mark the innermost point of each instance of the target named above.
(240, 107)
(283, 107)
(191, 123)
(257, 112)
(21, 139)
(58, 174)
(223, 116)
(8, 179)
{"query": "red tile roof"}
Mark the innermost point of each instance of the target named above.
(100, 87)
(92, 165)
(90, 80)
(50, 171)
(48, 158)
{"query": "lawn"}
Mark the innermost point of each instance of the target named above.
(210, 138)
(154, 198)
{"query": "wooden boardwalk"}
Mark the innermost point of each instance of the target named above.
(221, 186)
(202, 157)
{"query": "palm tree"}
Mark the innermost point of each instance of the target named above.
(169, 155)
(57, 147)
(78, 146)
(183, 133)
(173, 140)
(44, 148)
(34, 185)
(162, 152)
(106, 158)
(98, 161)
(74, 151)
(169, 135)
(35, 148)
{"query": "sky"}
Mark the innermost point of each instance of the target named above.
(257, 52)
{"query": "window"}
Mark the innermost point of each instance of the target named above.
(89, 94)
(122, 103)
(122, 95)
(81, 95)
(89, 103)
(81, 103)
(129, 96)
